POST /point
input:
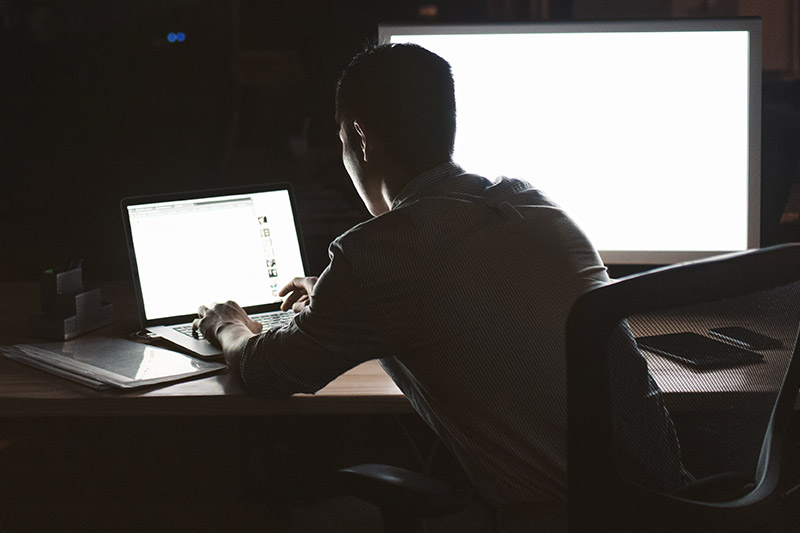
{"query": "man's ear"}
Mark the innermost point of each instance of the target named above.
(360, 132)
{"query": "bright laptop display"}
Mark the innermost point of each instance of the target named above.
(212, 246)
(646, 133)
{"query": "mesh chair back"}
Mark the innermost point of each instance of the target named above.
(653, 434)
(722, 408)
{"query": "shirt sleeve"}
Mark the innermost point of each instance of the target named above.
(333, 334)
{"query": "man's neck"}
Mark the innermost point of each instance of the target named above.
(398, 177)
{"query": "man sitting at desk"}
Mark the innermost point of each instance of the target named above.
(460, 285)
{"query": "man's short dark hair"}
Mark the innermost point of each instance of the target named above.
(406, 95)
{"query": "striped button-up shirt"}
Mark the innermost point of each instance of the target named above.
(462, 291)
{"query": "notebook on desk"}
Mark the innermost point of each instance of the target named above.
(197, 248)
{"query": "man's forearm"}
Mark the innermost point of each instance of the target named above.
(233, 338)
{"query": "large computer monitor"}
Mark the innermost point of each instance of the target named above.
(646, 132)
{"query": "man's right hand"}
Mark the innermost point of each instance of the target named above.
(299, 291)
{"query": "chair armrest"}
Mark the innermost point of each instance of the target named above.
(392, 487)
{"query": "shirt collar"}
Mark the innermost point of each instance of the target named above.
(421, 184)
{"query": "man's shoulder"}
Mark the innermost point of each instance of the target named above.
(372, 230)
(472, 189)
(517, 192)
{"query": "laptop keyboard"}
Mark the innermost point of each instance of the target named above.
(268, 320)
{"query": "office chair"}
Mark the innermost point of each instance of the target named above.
(405, 498)
(729, 423)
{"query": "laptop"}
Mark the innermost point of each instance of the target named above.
(196, 248)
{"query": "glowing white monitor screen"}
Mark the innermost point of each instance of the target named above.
(647, 134)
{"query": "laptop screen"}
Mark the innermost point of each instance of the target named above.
(241, 247)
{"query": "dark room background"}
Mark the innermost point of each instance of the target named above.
(103, 99)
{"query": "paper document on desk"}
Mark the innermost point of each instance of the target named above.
(13, 353)
(100, 362)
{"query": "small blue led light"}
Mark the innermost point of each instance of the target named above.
(172, 37)
(180, 36)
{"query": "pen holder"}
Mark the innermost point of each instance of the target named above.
(68, 309)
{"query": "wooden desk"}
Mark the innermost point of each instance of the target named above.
(25, 391)
(365, 389)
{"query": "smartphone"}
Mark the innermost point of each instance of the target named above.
(698, 351)
(746, 338)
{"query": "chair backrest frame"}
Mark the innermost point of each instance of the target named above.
(597, 313)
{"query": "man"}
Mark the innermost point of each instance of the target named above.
(461, 286)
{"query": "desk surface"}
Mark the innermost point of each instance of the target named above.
(25, 391)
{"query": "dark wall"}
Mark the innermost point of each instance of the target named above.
(96, 105)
